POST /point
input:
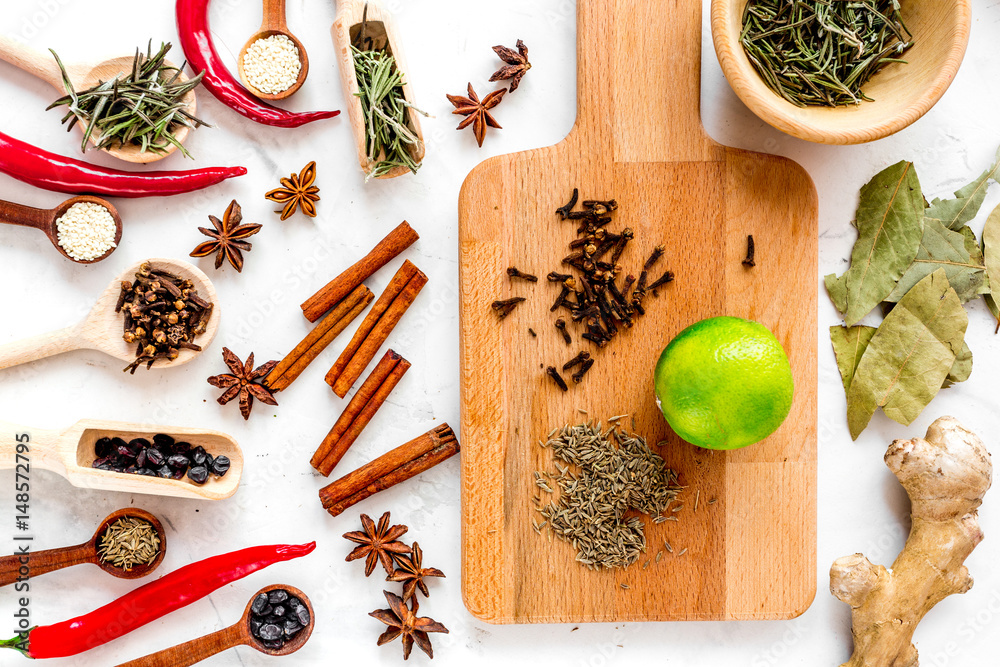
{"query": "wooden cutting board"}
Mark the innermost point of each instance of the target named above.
(638, 138)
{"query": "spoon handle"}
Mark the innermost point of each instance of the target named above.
(41, 562)
(26, 216)
(25, 449)
(40, 346)
(274, 16)
(37, 63)
(193, 651)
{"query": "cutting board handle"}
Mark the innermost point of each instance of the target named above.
(639, 78)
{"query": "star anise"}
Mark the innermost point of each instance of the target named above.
(410, 572)
(403, 620)
(517, 64)
(477, 113)
(377, 543)
(297, 191)
(227, 238)
(243, 382)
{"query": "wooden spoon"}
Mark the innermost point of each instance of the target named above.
(45, 220)
(42, 562)
(239, 634)
(102, 329)
(274, 24)
(351, 15)
(70, 454)
(84, 76)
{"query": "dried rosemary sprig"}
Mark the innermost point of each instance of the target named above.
(821, 53)
(144, 107)
(385, 111)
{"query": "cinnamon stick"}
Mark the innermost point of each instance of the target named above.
(378, 324)
(398, 240)
(400, 464)
(362, 408)
(289, 368)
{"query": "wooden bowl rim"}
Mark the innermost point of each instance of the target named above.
(799, 122)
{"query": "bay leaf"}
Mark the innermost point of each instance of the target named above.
(890, 226)
(942, 248)
(991, 251)
(992, 305)
(849, 344)
(910, 356)
(976, 256)
(955, 213)
(837, 289)
(961, 370)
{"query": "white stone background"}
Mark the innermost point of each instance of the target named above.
(861, 507)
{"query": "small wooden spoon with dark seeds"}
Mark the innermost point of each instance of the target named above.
(239, 634)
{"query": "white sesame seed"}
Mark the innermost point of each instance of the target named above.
(86, 231)
(271, 64)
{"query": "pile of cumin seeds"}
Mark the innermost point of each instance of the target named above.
(617, 472)
(128, 542)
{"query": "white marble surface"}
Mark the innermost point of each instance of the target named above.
(861, 508)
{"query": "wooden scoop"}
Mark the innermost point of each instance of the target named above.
(274, 24)
(87, 75)
(379, 27)
(70, 454)
(103, 327)
(45, 220)
(239, 634)
(42, 562)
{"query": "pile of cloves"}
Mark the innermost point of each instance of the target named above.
(593, 296)
(163, 314)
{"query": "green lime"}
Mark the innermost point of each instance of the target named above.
(724, 383)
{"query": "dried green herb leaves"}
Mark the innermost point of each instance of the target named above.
(849, 345)
(814, 52)
(942, 248)
(961, 370)
(991, 258)
(390, 138)
(956, 213)
(889, 222)
(910, 356)
(920, 346)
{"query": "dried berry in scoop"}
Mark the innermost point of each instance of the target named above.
(276, 617)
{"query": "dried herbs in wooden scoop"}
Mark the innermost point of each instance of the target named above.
(385, 113)
(144, 107)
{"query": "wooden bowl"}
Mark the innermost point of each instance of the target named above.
(902, 93)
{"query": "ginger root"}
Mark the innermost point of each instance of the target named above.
(945, 474)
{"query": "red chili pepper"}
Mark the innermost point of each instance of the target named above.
(196, 40)
(150, 602)
(65, 174)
